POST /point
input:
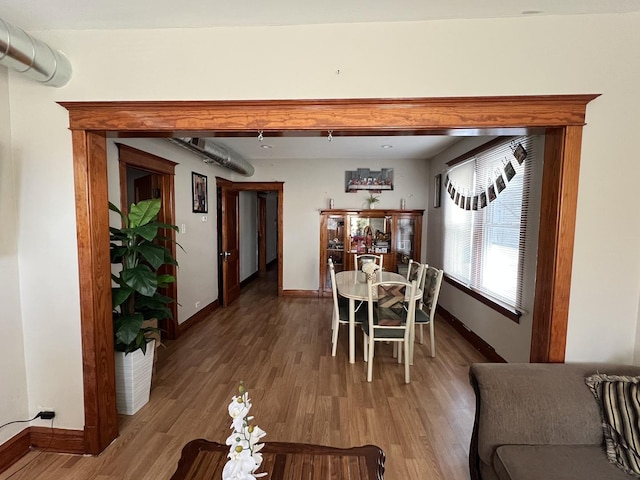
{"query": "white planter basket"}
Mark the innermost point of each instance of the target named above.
(133, 379)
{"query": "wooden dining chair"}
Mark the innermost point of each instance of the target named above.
(390, 318)
(426, 311)
(340, 314)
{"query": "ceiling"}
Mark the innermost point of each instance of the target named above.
(116, 14)
(34, 15)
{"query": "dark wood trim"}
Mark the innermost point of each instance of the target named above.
(145, 160)
(562, 115)
(418, 115)
(165, 169)
(14, 449)
(58, 440)
(92, 219)
(555, 244)
(49, 439)
(478, 150)
(379, 211)
(502, 308)
(301, 293)
(198, 317)
(478, 343)
(249, 279)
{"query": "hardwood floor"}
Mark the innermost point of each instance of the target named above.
(281, 348)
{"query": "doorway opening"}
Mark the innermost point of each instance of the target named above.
(250, 233)
(145, 176)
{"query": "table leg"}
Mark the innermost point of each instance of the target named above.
(352, 330)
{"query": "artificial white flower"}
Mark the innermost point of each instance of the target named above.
(370, 267)
(244, 456)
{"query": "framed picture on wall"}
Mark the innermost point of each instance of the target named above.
(199, 191)
(437, 183)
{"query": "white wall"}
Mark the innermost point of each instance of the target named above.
(511, 340)
(538, 55)
(197, 274)
(13, 376)
(248, 213)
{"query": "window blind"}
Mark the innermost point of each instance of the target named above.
(484, 246)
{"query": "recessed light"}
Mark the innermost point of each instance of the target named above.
(266, 146)
(386, 146)
(531, 12)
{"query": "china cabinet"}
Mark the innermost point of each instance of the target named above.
(396, 234)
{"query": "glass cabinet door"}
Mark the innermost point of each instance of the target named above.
(335, 245)
(405, 243)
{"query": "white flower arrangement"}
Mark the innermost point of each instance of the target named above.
(244, 450)
(370, 268)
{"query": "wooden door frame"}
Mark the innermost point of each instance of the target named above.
(262, 236)
(277, 187)
(560, 116)
(132, 157)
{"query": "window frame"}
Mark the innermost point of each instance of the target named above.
(512, 312)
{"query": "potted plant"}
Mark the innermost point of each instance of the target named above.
(137, 301)
(372, 200)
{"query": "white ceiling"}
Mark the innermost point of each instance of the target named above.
(386, 148)
(34, 15)
(115, 14)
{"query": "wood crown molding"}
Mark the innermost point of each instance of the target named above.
(351, 114)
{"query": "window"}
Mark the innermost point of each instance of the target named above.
(484, 248)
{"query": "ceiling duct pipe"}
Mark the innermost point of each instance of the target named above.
(36, 59)
(215, 153)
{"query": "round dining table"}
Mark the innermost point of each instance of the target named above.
(352, 284)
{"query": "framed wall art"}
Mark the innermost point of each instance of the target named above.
(365, 179)
(199, 192)
(437, 185)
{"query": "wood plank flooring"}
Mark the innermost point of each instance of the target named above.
(281, 349)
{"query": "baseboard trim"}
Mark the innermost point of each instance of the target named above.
(14, 449)
(300, 293)
(198, 317)
(58, 440)
(476, 342)
(50, 439)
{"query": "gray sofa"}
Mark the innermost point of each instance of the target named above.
(539, 422)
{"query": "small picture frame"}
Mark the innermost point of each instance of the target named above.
(199, 193)
(437, 184)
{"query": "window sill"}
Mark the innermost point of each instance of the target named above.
(507, 310)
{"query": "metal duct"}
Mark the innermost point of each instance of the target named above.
(34, 58)
(215, 153)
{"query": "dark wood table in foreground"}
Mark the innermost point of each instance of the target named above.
(204, 460)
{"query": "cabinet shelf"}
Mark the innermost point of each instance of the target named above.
(399, 232)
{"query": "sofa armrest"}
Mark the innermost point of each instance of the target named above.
(534, 404)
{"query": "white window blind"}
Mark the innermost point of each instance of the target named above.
(484, 249)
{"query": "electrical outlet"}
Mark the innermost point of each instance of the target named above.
(197, 305)
(204, 218)
(183, 228)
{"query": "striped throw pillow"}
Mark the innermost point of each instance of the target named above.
(619, 400)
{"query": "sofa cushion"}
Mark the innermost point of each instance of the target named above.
(554, 462)
(620, 408)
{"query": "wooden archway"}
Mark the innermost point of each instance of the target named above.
(560, 116)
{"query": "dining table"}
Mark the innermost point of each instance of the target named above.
(352, 284)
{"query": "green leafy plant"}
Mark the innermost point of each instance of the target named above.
(371, 199)
(138, 247)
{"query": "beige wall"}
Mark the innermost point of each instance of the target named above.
(543, 55)
(13, 378)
